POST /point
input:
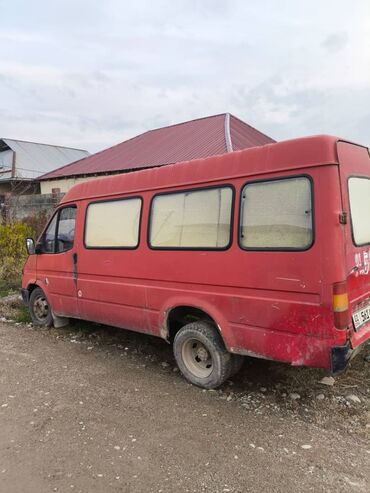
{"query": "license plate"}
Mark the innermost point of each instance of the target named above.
(361, 317)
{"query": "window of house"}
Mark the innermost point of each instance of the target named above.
(113, 224)
(277, 214)
(192, 219)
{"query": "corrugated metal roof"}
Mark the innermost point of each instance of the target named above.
(33, 159)
(244, 136)
(182, 142)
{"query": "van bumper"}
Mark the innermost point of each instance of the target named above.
(25, 296)
(340, 357)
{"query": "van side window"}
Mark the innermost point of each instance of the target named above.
(277, 215)
(359, 201)
(198, 219)
(59, 235)
(113, 224)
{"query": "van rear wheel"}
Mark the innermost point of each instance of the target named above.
(201, 355)
(40, 309)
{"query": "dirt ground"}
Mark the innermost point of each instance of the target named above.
(88, 408)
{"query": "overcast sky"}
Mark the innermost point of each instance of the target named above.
(89, 73)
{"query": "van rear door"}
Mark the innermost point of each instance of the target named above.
(354, 171)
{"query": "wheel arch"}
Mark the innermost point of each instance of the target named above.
(32, 285)
(178, 312)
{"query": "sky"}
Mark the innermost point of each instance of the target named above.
(90, 74)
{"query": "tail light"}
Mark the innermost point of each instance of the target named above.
(340, 305)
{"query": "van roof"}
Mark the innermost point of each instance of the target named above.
(285, 155)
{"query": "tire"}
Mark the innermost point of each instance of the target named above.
(237, 363)
(201, 355)
(40, 309)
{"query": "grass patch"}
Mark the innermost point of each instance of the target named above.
(22, 315)
(7, 288)
(4, 289)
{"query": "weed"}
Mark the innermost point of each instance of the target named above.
(12, 253)
(22, 315)
(4, 288)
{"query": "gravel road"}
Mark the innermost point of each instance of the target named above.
(94, 409)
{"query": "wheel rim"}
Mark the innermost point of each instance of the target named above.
(41, 307)
(197, 358)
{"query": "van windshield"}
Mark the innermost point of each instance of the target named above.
(359, 199)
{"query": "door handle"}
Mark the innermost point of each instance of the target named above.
(74, 260)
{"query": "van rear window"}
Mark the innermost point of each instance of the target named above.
(277, 215)
(113, 224)
(359, 201)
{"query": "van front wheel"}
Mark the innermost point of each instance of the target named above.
(40, 309)
(201, 355)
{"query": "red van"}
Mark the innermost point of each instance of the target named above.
(263, 252)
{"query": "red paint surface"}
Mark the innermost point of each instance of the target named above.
(271, 304)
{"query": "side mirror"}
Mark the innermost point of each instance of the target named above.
(30, 246)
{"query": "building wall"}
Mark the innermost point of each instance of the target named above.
(6, 160)
(20, 207)
(64, 184)
(19, 187)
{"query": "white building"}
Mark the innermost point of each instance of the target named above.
(22, 162)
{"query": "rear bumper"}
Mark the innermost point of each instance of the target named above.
(25, 296)
(299, 350)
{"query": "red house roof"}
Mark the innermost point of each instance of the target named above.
(318, 150)
(194, 139)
